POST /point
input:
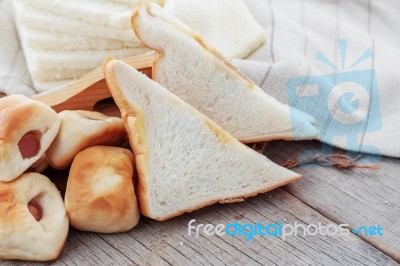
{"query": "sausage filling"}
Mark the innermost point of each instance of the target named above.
(36, 211)
(29, 144)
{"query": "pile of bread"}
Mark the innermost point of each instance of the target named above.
(186, 129)
(100, 193)
(63, 40)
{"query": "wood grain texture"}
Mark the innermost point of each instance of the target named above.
(91, 88)
(356, 197)
(168, 243)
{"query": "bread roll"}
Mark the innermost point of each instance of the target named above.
(33, 220)
(100, 195)
(82, 129)
(27, 128)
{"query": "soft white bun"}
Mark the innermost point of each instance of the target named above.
(20, 116)
(22, 237)
(100, 193)
(82, 129)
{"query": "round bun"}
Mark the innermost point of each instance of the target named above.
(33, 221)
(82, 129)
(100, 194)
(27, 129)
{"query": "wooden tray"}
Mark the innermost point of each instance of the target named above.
(90, 92)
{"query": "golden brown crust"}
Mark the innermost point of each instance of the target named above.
(266, 139)
(133, 121)
(100, 195)
(135, 129)
(19, 116)
(14, 113)
(22, 236)
(70, 140)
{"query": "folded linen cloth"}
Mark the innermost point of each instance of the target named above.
(337, 60)
(14, 75)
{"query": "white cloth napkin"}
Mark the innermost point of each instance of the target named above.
(354, 93)
(309, 61)
(14, 75)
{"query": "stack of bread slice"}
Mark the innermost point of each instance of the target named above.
(63, 40)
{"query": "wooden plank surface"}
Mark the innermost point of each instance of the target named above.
(168, 243)
(325, 195)
(356, 197)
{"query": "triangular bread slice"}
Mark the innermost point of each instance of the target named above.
(184, 160)
(198, 74)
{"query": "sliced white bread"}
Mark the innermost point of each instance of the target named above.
(228, 24)
(184, 160)
(57, 23)
(61, 65)
(83, 59)
(107, 13)
(42, 86)
(127, 2)
(56, 75)
(198, 74)
(44, 40)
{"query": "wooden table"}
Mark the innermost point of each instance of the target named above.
(355, 197)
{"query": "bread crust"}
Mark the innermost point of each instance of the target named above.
(22, 237)
(70, 140)
(20, 115)
(225, 66)
(100, 194)
(133, 121)
(132, 117)
(194, 36)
